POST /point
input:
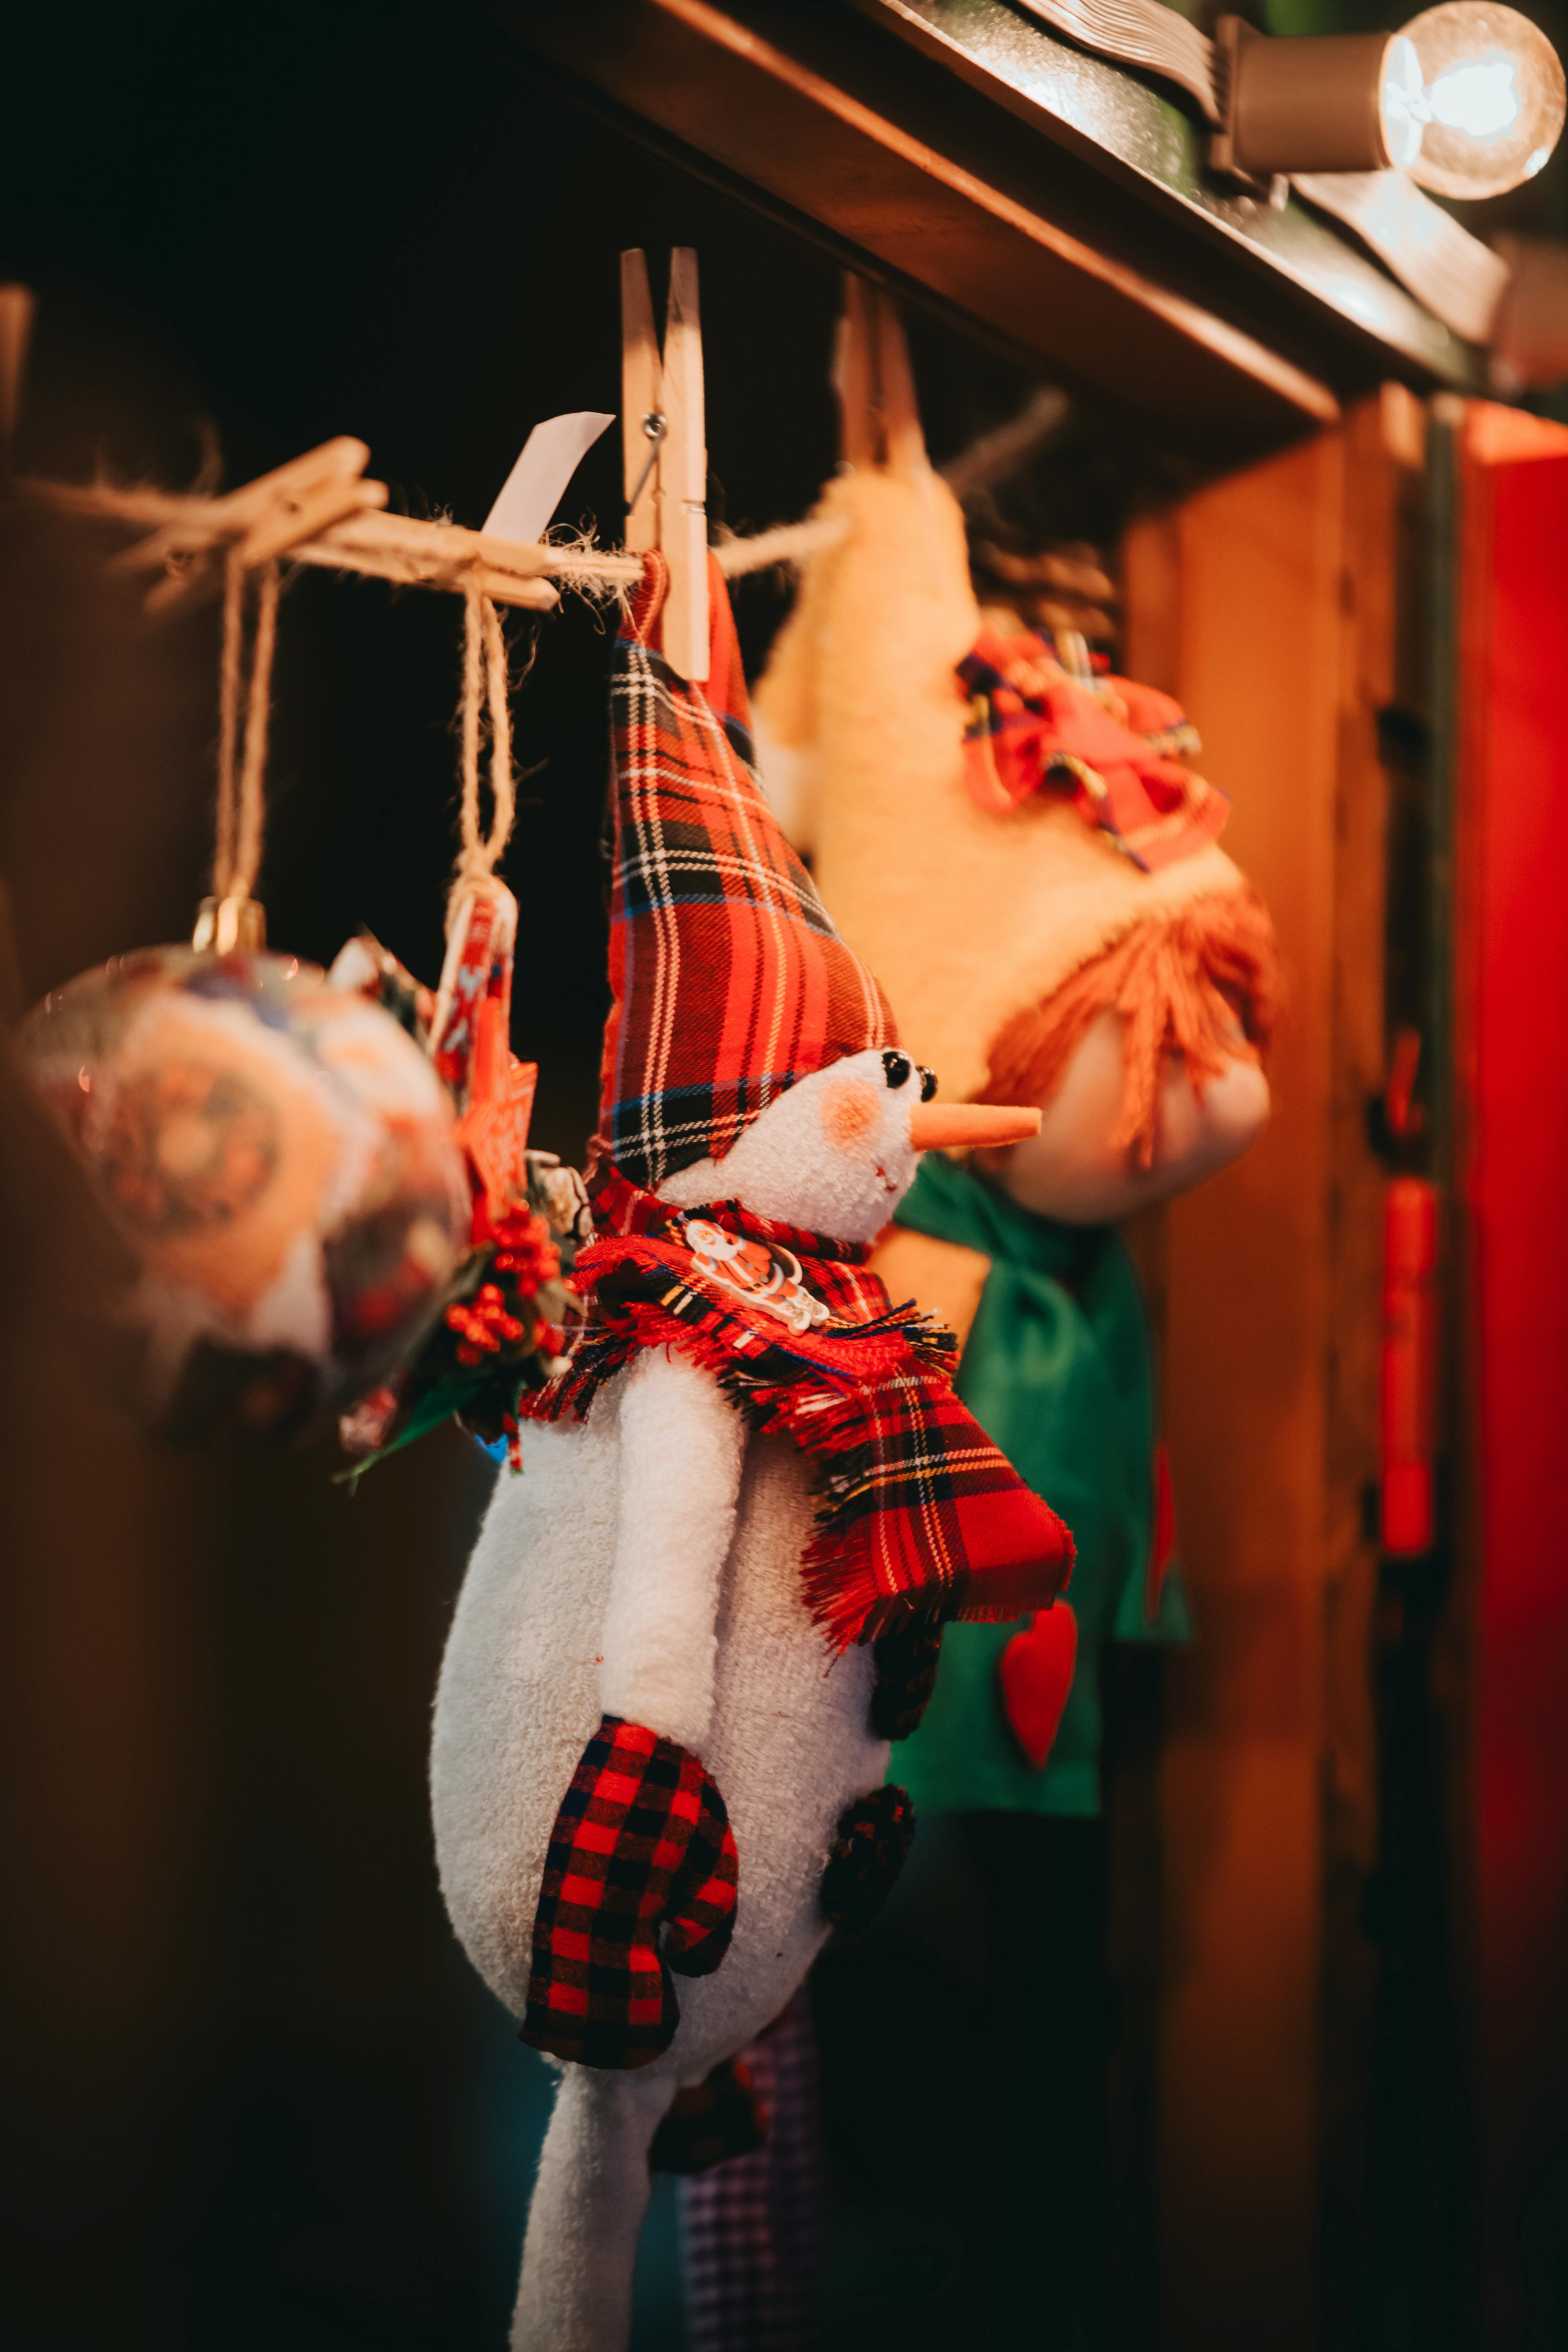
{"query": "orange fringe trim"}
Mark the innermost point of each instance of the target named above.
(1180, 984)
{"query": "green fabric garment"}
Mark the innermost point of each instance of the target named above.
(1058, 1370)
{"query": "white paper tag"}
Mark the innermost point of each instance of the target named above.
(537, 483)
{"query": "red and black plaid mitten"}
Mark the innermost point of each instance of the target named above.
(642, 1840)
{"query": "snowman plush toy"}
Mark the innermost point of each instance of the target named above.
(751, 1499)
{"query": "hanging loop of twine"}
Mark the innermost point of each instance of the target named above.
(487, 690)
(245, 706)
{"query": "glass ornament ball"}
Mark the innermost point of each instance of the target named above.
(1490, 104)
(279, 1155)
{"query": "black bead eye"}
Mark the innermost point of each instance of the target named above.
(928, 1084)
(899, 1067)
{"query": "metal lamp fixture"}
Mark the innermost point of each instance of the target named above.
(1469, 99)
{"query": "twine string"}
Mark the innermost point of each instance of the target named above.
(486, 692)
(252, 812)
(242, 796)
(245, 709)
(229, 722)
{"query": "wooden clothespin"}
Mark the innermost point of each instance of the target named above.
(642, 414)
(264, 519)
(880, 418)
(15, 326)
(664, 448)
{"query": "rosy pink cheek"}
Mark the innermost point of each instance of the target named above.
(849, 1116)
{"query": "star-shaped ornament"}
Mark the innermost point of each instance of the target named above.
(493, 1131)
(494, 1134)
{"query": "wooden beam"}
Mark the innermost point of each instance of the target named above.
(898, 201)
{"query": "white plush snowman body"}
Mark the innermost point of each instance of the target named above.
(647, 1565)
(789, 1745)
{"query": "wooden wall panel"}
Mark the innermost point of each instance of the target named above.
(1383, 671)
(1258, 657)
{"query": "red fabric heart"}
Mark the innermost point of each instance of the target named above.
(1036, 1675)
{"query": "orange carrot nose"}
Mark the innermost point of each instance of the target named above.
(938, 1126)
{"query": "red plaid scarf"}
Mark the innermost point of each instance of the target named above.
(920, 1514)
(729, 981)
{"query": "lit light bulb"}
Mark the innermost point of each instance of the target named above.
(1473, 99)
(1405, 111)
(1479, 99)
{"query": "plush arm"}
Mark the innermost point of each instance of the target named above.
(1072, 1169)
(680, 1473)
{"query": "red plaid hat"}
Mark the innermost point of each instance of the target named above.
(730, 982)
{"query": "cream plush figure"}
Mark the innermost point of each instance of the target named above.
(1014, 845)
(1066, 932)
(751, 1494)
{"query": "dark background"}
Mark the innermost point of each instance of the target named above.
(254, 2095)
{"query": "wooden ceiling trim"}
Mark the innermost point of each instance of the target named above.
(694, 71)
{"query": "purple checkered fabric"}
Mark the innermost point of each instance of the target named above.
(751, 2230)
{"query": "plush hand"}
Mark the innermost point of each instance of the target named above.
(710, 2122)
(875, 1834)
(906, 1663)
(642, 1840)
